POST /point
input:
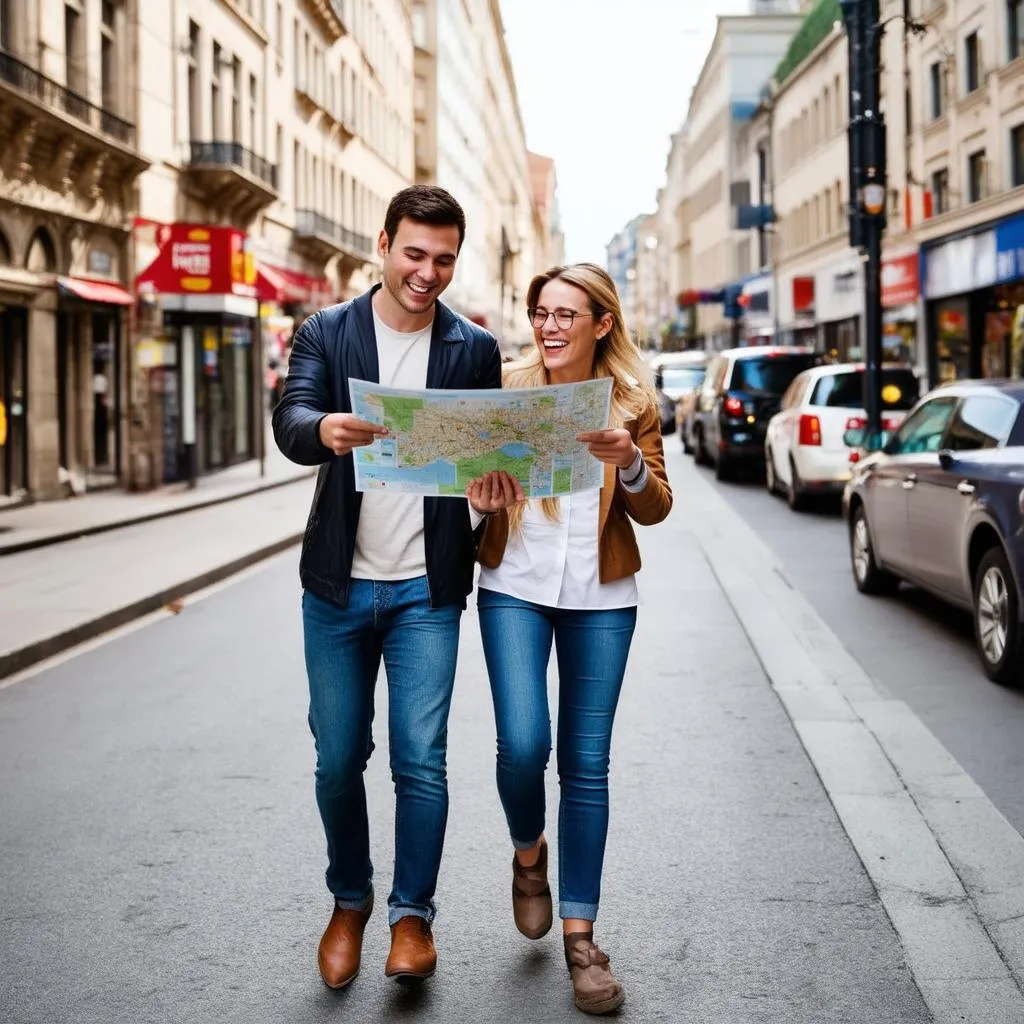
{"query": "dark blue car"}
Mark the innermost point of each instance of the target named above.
(941, 506)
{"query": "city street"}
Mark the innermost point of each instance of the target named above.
(913, 645)
(163, 859)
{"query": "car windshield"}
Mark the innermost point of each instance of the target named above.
(900, 390)
(682, 378)
(769, 374)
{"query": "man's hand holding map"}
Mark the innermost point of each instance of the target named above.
(438, 441)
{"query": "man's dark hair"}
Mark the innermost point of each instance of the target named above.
(426, 204)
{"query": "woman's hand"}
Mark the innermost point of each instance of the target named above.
(613, 446)
(494, 491)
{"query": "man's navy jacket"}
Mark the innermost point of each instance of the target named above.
(333, 345)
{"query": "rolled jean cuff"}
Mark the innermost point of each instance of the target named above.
(580, 911)
(395, 914)
(362, 904)
(521, 844)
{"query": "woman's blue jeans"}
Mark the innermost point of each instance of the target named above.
(344, 647)
(592, 648)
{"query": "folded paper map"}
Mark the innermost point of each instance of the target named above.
(440, 440)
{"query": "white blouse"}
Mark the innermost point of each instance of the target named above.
(556, 563)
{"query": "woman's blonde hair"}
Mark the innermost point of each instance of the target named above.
(615, 356)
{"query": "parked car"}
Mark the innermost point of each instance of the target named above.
(941, 507)
(675, 375)
(805, 447)
(741, 392)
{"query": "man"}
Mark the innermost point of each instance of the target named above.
(383, 575)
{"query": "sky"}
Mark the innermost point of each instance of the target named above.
(602, 85)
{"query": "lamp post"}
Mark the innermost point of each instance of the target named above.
(868, 189)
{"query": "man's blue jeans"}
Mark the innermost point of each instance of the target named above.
(343, 648)
(592, 648)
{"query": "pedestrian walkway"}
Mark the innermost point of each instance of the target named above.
(54, 597)
(23, 527)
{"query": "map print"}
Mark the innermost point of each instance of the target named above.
(440, 440)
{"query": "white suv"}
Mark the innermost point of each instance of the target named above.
(805, 452)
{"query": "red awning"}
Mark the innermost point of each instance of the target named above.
(94, 291)
(278, 284)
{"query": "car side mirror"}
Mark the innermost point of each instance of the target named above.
(947, 459)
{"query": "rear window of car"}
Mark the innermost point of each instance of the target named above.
(900, 390)
(769, 374)
(682, 377)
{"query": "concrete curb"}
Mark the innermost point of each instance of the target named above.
(946, 864)
(149, 517)
(40, 650)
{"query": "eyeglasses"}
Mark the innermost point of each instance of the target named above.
(564, 318)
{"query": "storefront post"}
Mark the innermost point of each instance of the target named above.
(188, 402)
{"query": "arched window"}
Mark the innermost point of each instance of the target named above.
(42, 255)
(5, 251)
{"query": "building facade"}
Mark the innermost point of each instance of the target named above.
(743, 54)
(160, 238)
(68, 181)
(549, 248)
(470, 140)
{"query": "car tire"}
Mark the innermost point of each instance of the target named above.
(724, 469)
(770, 479)
(868, 577)
(684, 436)
(996, 613)
(700, 453)
(796, 496)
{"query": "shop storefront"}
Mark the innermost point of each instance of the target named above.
(839, 296)
(756, 300)
(973, 285)
(797, 324)
(900, 293)
(199, 355)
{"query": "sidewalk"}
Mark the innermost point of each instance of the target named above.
(58, 596)
(24, 527)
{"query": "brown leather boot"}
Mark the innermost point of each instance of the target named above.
(531, 895)
(413, 955)
(342, 945)
(594, 988)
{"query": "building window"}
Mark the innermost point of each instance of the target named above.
(937, 89)
(215, 113)
(108, 56)
(972, 63)
(976, 176)
(1017, 155)
(940, 191)
(1015, 28)
(236, 100)
(195, 113)
(253, 120)
(74, 56)
(6, 27)
(908, 111)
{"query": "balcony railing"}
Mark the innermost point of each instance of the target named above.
(233, 154)
(310, 223)
(51, 94)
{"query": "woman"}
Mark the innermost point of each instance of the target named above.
(563, 569)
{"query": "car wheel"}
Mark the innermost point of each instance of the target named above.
(997, 618)
(770, 480)
(701, 454)
(869, 578)
(684, 435)
(723, 467)
(795, 494)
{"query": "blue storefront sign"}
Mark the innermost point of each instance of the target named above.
(992, 255)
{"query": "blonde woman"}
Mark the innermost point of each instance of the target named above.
(563, 570)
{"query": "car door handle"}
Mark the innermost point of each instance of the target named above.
(965, 488)
(909, 482)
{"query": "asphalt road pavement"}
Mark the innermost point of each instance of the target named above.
(912, 645)
(163, 861)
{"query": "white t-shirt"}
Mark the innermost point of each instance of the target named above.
(389, 538)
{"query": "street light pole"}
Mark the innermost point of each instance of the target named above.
(868, 188)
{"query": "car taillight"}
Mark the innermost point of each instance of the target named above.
(855, 423)
(733, 407)
(854, 456)
(810, 429)
(891, 425)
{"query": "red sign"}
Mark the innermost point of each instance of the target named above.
(900, 280)
(803, 295)
(195, 259)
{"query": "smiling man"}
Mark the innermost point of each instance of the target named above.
(383, 576)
